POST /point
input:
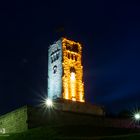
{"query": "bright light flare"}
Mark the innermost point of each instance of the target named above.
(137, 116)
(49, 102)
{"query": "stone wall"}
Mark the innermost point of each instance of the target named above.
(40, 117)
(14, 121)
(28, 117)
(80, 107)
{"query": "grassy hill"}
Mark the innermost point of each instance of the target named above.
(76, 132)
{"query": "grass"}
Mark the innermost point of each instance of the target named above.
(41, 133)
(74, 132)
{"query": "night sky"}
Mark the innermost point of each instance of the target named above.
(109, 31)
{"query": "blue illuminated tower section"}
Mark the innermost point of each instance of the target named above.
(55, 70)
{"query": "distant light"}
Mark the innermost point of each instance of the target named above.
(137, 116)
(49, 102)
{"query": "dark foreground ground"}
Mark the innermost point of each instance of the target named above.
(75, 132)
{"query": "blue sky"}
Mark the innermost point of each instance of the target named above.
(109, 31)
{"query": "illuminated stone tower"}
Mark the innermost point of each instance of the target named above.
(65, 71)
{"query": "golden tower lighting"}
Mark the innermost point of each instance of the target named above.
(73, 88)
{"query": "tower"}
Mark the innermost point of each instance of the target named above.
(65, 71)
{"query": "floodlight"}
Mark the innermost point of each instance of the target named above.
(49, 102)
(137, 116)
(73, 99)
